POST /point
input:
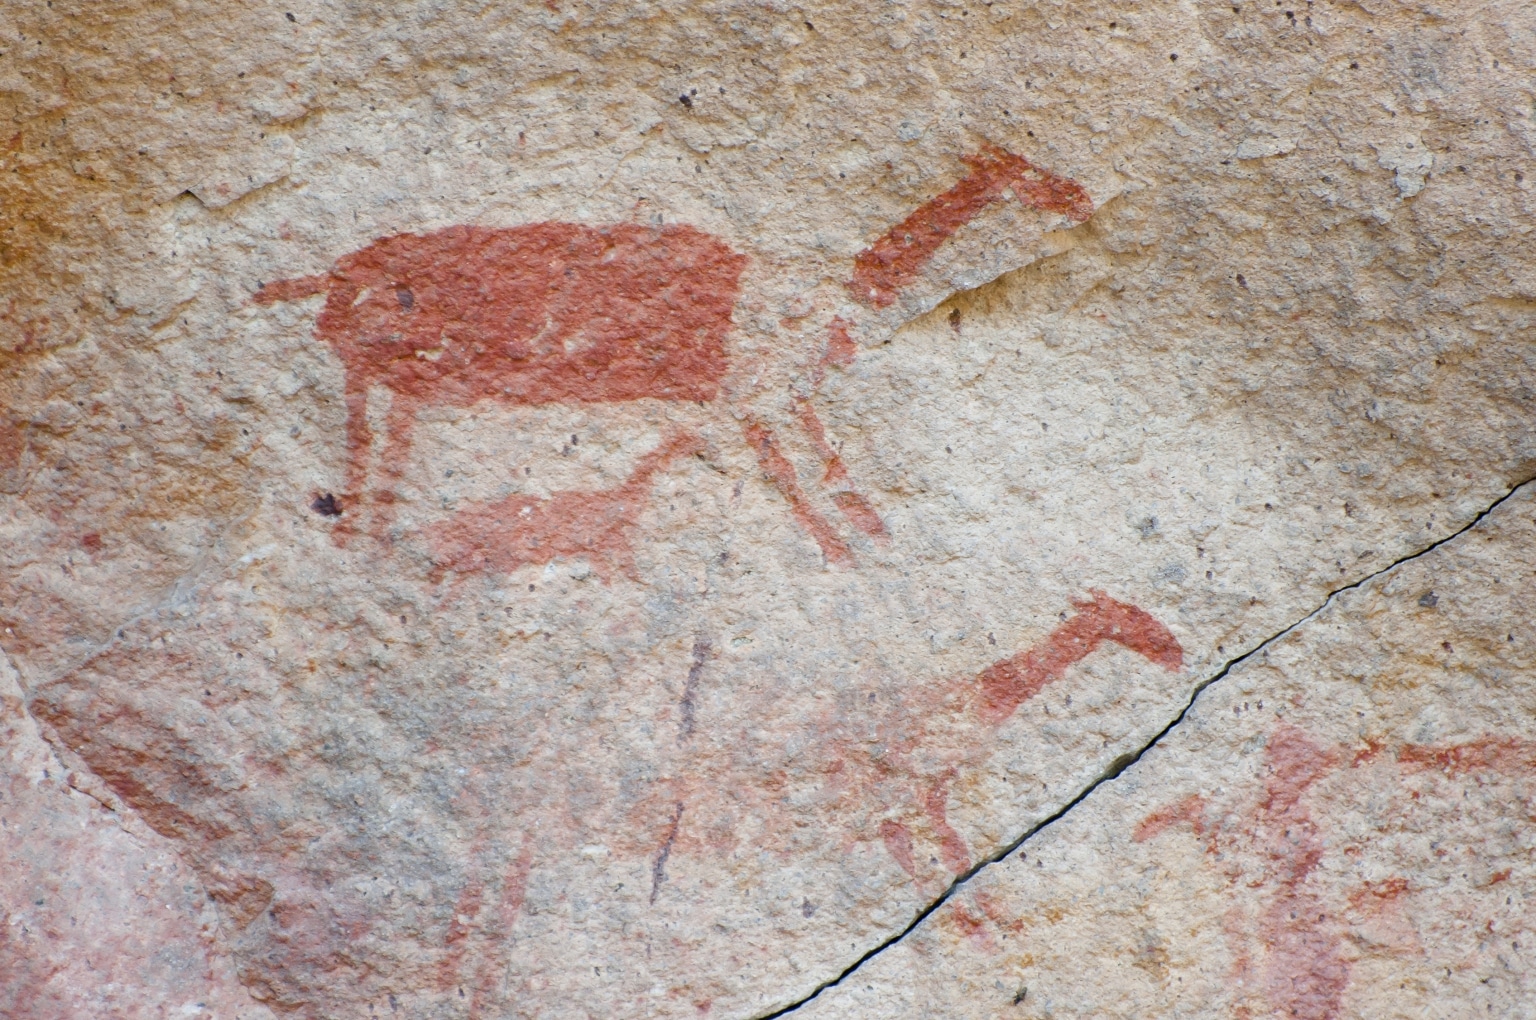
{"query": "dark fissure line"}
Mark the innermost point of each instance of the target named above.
(1128, 759)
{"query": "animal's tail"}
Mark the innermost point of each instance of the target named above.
(293, 290)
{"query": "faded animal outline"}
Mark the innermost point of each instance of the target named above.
(1291, 954)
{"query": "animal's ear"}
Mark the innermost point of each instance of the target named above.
(293, 290)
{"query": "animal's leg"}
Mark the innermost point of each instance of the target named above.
(392, 461)
(459, 943)
(898, 842)
(778, 468)
(862, 515)
(840, 351)
(836, 473)
(514, 887)
(957, 856)
(858, 510)
(359, 440)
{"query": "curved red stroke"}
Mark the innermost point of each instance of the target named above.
(1008, 683)
(898, 257)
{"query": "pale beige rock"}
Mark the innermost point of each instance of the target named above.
(98, 917)
(1341, 827)
(729, 724)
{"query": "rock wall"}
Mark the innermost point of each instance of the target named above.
(751, 509)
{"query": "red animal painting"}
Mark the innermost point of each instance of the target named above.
(1308, 903)
(546, 313)
(882, 765)
(1293, 950)
(520, 529)
(540, 314)
(556, 313)
(991, 698)
(565, 313)
(894, 261)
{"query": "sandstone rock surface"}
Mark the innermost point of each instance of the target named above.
(102, 917)
(615, 510)
(1341, 826)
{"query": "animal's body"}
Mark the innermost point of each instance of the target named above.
(537, 314)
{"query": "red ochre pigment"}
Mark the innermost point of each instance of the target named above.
(566, 313)
(1305, 972)
(1191, 809)
(1511, 757)
(995, 694)
(524, 529)
(1010, 682)
(858, 510)
(538, 314)
(898, 257)
(781, 472)
(541, 314)
(898, 842)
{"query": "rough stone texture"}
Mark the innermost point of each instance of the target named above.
(566, 510)
(1341, 826)
(100, 917)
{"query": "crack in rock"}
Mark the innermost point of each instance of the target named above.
(1125, 761)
